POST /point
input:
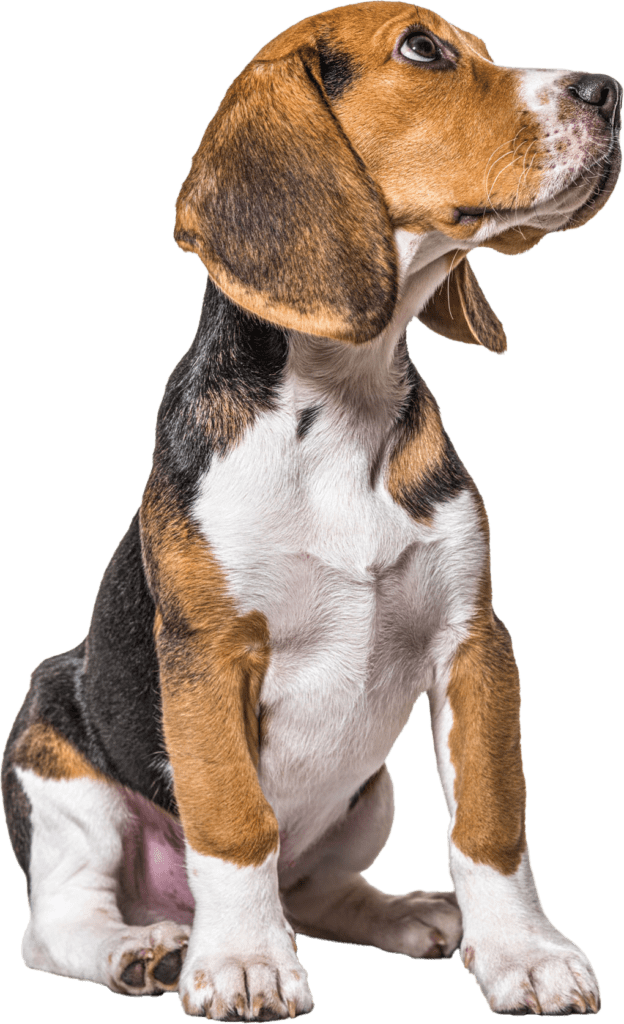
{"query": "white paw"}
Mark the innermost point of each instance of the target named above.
(535, 974)
(147, 961)
(266, 984)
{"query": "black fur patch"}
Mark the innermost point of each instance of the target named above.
(232, 369)
(444, 483)
(17, 809)
(449, 476)
(306, 419)
(120, 695)
(104, 696)
(107, 705)
(337, 68)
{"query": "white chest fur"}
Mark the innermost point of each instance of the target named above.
(364, 605)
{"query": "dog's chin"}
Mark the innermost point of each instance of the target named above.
(605, 176)
(574, 205)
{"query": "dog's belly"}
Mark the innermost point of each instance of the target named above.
(363, 605)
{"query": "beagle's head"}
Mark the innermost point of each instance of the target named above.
(363, 153)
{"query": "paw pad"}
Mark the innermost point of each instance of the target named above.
(167, 970)
(134, 974)
(151, 972)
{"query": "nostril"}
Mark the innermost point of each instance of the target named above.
(598, 91)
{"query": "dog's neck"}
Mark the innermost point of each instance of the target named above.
(423, 265)
(368, 381)
(239, 366)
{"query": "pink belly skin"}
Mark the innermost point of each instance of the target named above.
(153, 885)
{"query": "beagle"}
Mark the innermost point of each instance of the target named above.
(204, 776)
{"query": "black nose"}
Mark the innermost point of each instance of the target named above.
(599, 91)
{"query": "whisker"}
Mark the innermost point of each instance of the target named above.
(490, 164)
(525, 175)
(502, 171)
(448, 284)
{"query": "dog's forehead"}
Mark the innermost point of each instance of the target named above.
(368, 31)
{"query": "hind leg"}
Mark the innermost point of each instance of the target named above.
(76, 927)
(328, 898)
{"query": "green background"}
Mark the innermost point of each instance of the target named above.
(106, 104)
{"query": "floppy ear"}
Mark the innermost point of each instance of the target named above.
(460, 310)
(283, 212)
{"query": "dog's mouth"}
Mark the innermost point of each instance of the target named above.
(605, 172)
(479, 214)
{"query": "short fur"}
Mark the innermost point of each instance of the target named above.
(205, 775)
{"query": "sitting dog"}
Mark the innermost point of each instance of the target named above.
(204, 776)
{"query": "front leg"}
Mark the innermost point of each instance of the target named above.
(241, 960)
(522, 963)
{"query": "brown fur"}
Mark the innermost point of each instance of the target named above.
(420, 453)
(515, 240)
(333, 269)
(292, 200)
(477, 104)
(424, 468)
(212, 661)
(483, 689)
(459, 310)
(484, 742)
(300, 232)
(42, 749)
(318, 195)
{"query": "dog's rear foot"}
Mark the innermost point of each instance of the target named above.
(147, 961)
(421, 924)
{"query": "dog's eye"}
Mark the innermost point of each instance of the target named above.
(420, 48)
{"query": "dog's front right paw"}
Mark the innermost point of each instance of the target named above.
(257, 986)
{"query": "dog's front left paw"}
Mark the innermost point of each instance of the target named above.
(256, 986)
(535, 975)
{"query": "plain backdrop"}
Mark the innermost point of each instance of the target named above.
(104, 106)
